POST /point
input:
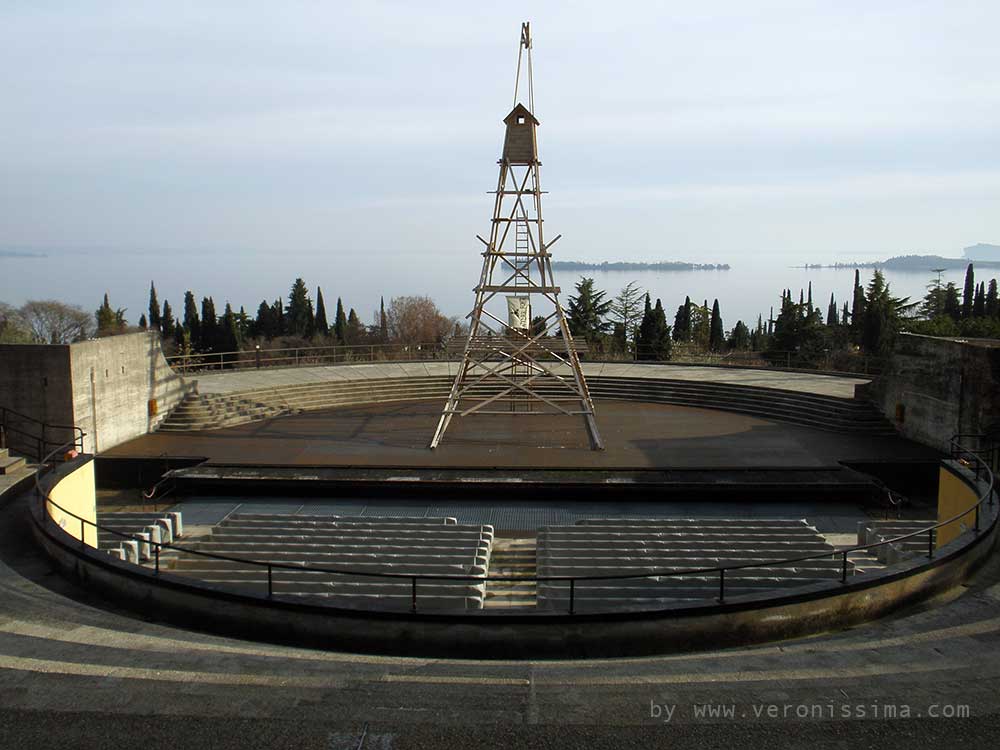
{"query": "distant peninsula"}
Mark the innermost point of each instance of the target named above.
(622, 265)
(911, 263)
(20, 254)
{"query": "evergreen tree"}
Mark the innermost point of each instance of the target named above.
(831, 313)
(355, 331)
(383, 322)
(678, 331)
(701, 324)
(322, 326)
(857, 308)
(809, 302)
(192, 324)
(340, 323)
(625, 310)
(883, 313)
(228, 335)
(661, 346)
(142, 322)
(992, 303)
(167, 325)
(644, 339)
(716, 338)
(952, 303)
(109, 321)
(979, 301)
(740, 339)
(209, 341)
(969, 292)
(587, 311)
(154, 308)
(278, 318)
(262, 326)
(299, 319)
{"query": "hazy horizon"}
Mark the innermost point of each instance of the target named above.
(317, 139)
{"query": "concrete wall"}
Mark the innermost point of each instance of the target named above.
(34, 380)
(103, 386)
(73, 490)
(944, 386)
(113, 380)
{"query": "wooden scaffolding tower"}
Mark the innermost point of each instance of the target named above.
(520, 359)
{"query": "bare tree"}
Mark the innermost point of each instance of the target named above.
(417, 320)
(13, 329)
(53, 322)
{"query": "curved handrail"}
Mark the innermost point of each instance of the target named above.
(965, 456)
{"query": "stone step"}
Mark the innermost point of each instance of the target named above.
(10, 464)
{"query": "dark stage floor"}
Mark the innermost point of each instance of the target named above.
(637, 435)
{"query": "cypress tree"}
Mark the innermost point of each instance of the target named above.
(154, 308)
(383, 321)
(679, 323)
(831, 312)
(716, 336)
(192, 324)
(340, 323)
(857, 308)
(322, 326)
(167, 321)
(355, 331)
(209, 327)
(661, 333)
(992, 302)
(228, 335)
(142, 322)
(979, 301)
(278, 318)
(105, 317)
(969, 292)
(810, 300)
(741, 337)
(644, 339)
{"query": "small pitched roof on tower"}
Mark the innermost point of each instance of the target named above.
(519, 111)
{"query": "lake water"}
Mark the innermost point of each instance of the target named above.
(751, 287)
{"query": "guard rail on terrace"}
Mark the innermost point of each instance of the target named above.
(970, 457)
(33, 437)
(311, 356)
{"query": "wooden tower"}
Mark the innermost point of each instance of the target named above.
(519, 358)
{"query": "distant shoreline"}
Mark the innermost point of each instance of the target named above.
(927, 263)
(18, 254)
(665, 265)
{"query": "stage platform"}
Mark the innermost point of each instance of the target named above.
(640, 436)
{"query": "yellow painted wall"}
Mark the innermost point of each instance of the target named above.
(76, 492)
(954, 495)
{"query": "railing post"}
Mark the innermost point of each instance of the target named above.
(722, 585)
(843, 571)
(270, 582)
(156, 570)
(572, 595)
(413, 594)
(976, 526)
(930, 544)
(83, 533)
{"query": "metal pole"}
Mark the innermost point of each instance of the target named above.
(157, 569)
(572, 595)
(930, 544)
(843, 572)
(83, 533)
(722, 584)
(413, 594)
(270, 582)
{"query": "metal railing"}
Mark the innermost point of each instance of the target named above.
(969, 457)
(311, 356)
(34, 437)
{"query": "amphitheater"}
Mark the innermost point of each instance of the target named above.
(272, 556)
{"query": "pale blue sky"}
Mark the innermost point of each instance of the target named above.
(711, 131)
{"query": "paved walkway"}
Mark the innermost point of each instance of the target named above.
(76, 672)
(246, 380)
